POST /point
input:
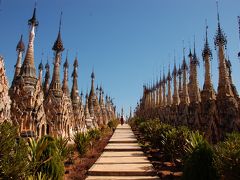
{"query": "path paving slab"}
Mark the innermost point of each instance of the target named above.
(122, 154)
(123, 178)
(123, 160)
(122, 170)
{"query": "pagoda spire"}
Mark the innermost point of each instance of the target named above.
(194, 93)
(101, 95)
(74, 92)
(164, 90)
(160, 90)
(207, 54)
(86, 109)
(20, 50)
(169, 96)
(47, 79)
(179, 73)
(220, 42)
(28, 67)
(184, 96)
(55, 85)
(92, 92)
(175, 94)
(40, 71)
(65, 88)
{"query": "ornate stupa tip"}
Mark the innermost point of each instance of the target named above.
(20, 46)
(220, 37)
(66, 65)
(195, 59)
(190, 53)
(97, 88)
(92, 75)
(101, 89)
(75, 64)
(169, 74)
(33, 21)
(206, 50)
(175, 71)
(58, 45)
(47, 66)
(179, 71)
(81, 94)
(40, 66)
(184, 65)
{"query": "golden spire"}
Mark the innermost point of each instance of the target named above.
(28, 67)
(55, 85)
(224, 87)
(175, 94)
(47, 78)
(65, 88)
(74, 92)
(184, 96)
(169, 96)
(207, 54)
(20, 49)
(194, 94)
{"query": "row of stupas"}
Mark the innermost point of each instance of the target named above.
(211, 112)
(41, 106)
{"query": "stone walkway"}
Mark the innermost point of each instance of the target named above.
(122, 159)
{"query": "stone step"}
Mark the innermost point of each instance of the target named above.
(122, 170)
(123, 160)
(122, 178)
(122, 154)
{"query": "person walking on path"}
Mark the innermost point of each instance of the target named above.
(122, 120)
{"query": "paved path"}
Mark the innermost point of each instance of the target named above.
(122, 159)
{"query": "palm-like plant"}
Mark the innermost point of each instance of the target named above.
(82, 141)
(62, 145)
(199, 162)
(227, 158)
(44, 157)
(94, 134)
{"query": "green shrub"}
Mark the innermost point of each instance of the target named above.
(113, 124)
(153, 131)
(82, 141)
(45, 157)
(199, 162)
(62, 145)
(13, 153)
(173, 142)
(94, 134)
(227, 159)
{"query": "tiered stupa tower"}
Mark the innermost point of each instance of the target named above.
(78, 109)
(229, 117)
(26, 93)
(57, 103)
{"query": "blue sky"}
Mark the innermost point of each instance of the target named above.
(126, 41)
